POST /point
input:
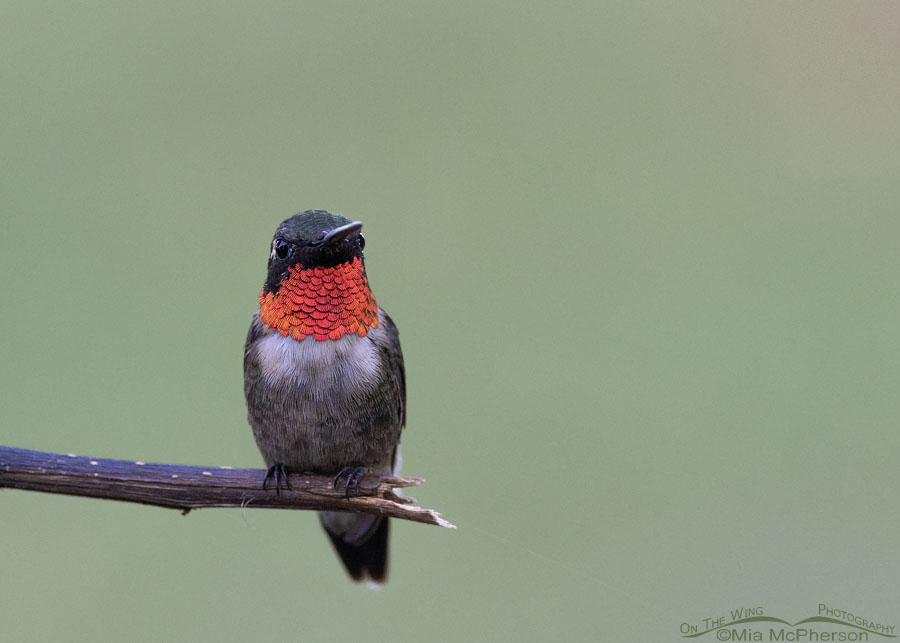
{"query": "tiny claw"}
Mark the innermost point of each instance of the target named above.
(277, 472)
(354, 475)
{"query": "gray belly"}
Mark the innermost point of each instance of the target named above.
(320, 405)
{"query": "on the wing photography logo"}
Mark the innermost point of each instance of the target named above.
(754, 624)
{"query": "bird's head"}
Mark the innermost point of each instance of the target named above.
(313, 239)
(316, 283)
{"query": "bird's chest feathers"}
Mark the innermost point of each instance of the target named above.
(330, 369)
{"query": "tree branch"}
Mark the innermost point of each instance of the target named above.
(190, 487)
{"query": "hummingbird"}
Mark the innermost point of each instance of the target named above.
(324, 378)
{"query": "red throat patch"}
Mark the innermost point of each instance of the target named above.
(326, 303)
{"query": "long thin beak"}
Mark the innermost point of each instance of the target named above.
(341, 233)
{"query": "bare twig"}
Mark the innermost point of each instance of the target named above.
(191, 487)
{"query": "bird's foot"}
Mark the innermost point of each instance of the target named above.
(353, 475)
(277, 472)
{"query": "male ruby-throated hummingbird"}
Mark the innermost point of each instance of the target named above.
(323, 375)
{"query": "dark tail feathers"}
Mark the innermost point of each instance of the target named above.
(367, 559)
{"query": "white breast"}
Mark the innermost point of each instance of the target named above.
(321, 368)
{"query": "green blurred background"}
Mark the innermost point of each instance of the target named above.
(644, 262)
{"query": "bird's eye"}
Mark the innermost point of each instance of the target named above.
(281, 248)
(362, 242)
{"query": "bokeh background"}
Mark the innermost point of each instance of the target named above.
(644, 262)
